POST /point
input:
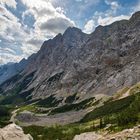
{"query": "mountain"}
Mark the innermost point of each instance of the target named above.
(7, 71)
(81, 65)
(75, 84)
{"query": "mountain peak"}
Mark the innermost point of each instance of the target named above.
(74, 37)
(135, 19)
(73, 29)
(136, 15)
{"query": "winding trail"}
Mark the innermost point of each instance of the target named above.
(14, 113)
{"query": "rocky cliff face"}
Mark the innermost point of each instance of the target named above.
(81, 64)
(13, 132)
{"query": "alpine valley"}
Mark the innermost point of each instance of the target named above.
(77, 83)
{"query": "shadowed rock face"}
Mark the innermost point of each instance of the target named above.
(13, 132)
(99, 63)
(9, 70)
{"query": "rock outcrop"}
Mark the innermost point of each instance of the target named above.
(13, 132)
(127, 134)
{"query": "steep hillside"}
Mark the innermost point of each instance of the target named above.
(101, 120)
(81, 65)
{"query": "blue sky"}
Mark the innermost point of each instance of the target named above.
(26, 24)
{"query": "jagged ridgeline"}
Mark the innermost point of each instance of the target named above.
(82, 82)
(75, 63)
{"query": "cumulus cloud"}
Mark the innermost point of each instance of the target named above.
(17, 35)
(114, 4)
(13, 36)
(7, 57)
(27, 23)
(10, 3)
(109, 20)
(7, 54)
(89, 26)
(110, 15)
(34, 41)
(45, 13)
(10, 32)
(56, 25)
(105, 18)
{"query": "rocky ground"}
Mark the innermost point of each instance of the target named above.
(127, 134)
(13, 132)
(28, 118)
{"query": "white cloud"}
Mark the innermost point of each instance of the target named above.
(14, 36)
(49, 19)
(7, 57)
(7, 54)
(105, 18)
(7, 50)
(86, 5)
(89, 26)
(109, 16)
(114, 4)
(78, 0)
(44, 13)
(56, 25)
(18, 36)
(10, 3)
(109, 20)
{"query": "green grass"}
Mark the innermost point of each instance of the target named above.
(13, 96)
(122, 114)
(5, 114)
(109, 108)
(135, 89)
(71, 99)
(48, 102)
(52, 102)
(77, 106)
(33, 108)
(66, 132)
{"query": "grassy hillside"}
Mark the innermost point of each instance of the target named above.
(109, 108)
(66, 132)
(121, 114)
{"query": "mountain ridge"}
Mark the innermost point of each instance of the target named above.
(84, 64)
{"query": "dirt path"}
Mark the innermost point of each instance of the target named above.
(14, 113)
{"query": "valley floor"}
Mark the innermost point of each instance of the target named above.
(113, 118)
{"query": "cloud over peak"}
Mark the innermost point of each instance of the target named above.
(26, 24)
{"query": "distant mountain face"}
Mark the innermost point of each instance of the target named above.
(81, 64)
(9, 70)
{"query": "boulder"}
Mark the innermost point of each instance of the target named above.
(13, 132)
